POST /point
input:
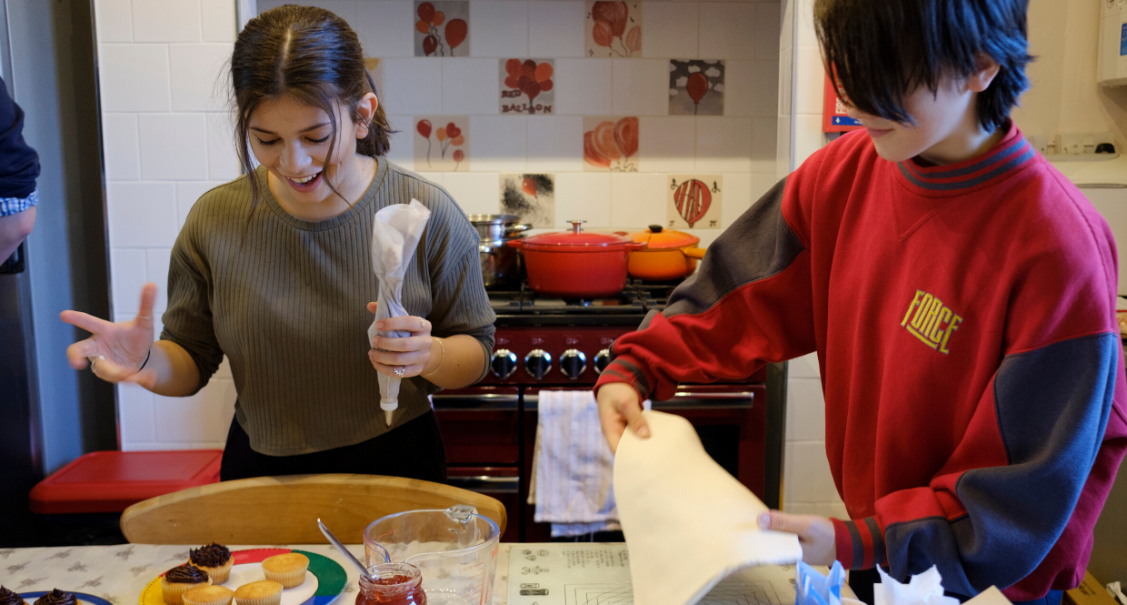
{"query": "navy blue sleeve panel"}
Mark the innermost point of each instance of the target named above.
(19, 164)
(1052, 407)
(749, 303)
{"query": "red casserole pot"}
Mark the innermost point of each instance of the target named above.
(579, 264)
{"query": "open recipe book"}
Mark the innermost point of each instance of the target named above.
(688, 523)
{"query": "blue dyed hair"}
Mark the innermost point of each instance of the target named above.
(882, 50)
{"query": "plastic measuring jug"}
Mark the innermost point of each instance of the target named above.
(456, 550)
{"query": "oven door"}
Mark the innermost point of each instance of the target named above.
(731, 423)
(481, 432)
(500, 482)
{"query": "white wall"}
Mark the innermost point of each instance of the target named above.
(166, 141)
(1064, 96)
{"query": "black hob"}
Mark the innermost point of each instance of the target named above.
(520, 306)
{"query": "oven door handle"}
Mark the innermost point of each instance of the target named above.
(476, 403)
(486, 483)
(708, 401)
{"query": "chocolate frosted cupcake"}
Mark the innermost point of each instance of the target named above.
(8, 597)
(57, 597)
(215, 559)
(179, 580)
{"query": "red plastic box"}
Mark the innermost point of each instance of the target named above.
(109, 482)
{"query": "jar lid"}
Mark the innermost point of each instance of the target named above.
(577, 240)
(659, 238)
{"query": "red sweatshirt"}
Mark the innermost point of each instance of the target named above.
(964, 320)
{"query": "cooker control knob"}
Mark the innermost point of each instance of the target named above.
(503, 364)
(601, 360)
(537, 363)
(572, 363)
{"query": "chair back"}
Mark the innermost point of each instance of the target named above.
(284, 510)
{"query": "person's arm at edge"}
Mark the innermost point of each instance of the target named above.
(14, 229)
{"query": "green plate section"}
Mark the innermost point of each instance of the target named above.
(330, 575)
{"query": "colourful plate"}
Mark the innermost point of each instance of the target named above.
(82, 597)
(324, 582)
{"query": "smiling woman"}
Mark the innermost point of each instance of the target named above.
(274, 271)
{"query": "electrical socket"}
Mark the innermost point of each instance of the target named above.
(1081, 142)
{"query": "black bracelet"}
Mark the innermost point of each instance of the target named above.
(146, 360)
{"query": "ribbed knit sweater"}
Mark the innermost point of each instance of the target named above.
(285, 300)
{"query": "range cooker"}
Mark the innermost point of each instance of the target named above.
(553, 344)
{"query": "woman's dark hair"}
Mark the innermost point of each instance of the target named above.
(312, 55)
(882, 50)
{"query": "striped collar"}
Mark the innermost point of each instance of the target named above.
(1008, 155)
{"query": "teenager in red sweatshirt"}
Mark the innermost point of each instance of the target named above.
(960, 295)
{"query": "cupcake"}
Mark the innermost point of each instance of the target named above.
(209, 595)
(8, 597)
(215, 559)
(57, 597)
(288, 569)
(264, 592)
(179, 580)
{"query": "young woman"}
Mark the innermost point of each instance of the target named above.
(273, 270)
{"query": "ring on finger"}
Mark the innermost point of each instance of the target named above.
(400, 372)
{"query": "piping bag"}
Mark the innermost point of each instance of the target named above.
(395, 236)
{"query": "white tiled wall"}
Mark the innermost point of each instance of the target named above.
(740, 144)
(166, 140)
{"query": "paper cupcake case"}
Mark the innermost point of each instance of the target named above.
(330, 576)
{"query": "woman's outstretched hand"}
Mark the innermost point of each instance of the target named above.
(401, 357)
(115, 351)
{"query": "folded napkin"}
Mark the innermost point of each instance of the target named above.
(688, 523)
(395, 235)
(922, 589)
(572, 466)
(812, 588)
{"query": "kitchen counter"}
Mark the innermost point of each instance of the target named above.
(119, 573)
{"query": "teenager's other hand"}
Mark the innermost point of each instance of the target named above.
(815, 534)
(620, 407)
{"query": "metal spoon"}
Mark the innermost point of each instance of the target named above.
(347, 554)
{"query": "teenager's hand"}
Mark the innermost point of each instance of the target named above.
(115, 351)
(620, 407)
(815, 534)
(401, 357)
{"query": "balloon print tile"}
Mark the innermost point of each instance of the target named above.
(694, 201)
(442, 29)
(610, 144)
(614, 29)
(696, 88)
(527, 86)
(532, 197)
(441, 144)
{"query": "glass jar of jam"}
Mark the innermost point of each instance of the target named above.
(392, 584)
